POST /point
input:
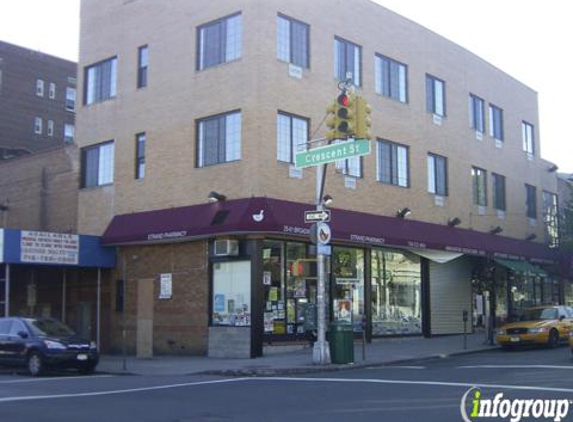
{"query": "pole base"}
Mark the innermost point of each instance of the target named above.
(321, 353)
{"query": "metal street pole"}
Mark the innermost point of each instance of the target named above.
(321, 352)
(123, 311)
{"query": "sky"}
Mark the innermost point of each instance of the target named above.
(528, 39)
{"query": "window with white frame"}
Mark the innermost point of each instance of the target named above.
(39, 87)
(496, 122)
(69, 133)
(219, 139)
(437, 175)
(477, 113)
(293, 41)
(219, 41)
(527, 135)
(97, 165)
(50, 128)
(498, 188)
(350, 166)
(100, 81)
(550, 217)
(347, 61)
(391, 78)
(479, 186)
(140, 140)
(52, 91)
(38, 125)
(392, 163)
(292, 136)
(142, 65)
(435, 96)
(70, 99)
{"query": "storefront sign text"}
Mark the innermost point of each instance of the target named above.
(296, 230)
(167, 235)
(49, 248)
(368, 239)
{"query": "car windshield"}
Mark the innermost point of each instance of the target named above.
(539, 314)
(49, 327)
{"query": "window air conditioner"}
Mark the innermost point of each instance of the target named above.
(226, 247)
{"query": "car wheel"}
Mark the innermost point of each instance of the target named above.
(507, 348)
(35, 364)
(553, 340)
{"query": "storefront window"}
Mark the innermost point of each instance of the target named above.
(300, 289)
(232, 293)
(522, 294)
(396, 293)
(273, 286)
(348, 285)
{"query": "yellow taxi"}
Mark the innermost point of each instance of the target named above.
(571, 340)
(544, 325)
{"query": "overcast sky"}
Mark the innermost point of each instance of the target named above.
(529, 39)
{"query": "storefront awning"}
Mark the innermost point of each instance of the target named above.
(441, 257)
(59, 249)
(277, 217)
(522, 267)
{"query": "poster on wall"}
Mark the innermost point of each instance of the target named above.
(49, 248)
(165, 286)
(267, 278)
(219, 303)
(343, 310)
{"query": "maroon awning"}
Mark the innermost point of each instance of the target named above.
(272, 216)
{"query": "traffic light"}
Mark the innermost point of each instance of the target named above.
(363, 121)
(342, 117)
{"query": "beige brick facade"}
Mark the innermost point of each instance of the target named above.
(259, 85)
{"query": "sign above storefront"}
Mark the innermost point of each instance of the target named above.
(49, 248)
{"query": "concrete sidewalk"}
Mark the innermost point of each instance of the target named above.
(379, 352)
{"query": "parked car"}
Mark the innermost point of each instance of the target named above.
(547, 325)
(571, 340)
(42, 343)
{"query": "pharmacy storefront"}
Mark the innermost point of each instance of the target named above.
(385, 276)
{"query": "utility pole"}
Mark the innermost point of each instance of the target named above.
(321, 351)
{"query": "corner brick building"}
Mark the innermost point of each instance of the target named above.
(181, 100)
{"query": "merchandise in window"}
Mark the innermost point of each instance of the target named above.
(232, 294)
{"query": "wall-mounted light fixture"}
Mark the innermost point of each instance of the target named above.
(4, 207)
(453, 222)
(531, 237)
(327, 200)
(553, 168)
(496, 230)
(216, 197)
(403, 212)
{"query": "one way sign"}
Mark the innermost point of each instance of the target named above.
(317, 216)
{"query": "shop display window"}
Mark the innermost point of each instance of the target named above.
(396, 293)
(232, 293)
(348, 286)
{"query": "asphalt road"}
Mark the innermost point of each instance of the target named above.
(429, 390)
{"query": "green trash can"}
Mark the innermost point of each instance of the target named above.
(341, 342)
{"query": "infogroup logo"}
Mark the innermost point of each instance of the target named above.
(513, 410)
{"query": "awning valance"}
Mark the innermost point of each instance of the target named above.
(522, 267)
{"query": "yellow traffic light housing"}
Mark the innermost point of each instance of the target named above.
(342, 117)
(363, 120)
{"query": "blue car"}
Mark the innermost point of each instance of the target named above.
(42, 343)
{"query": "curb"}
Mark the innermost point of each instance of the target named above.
(331, 368)
(310, 369)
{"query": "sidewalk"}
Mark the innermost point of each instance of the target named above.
(379, 352)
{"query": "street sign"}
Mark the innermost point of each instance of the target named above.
(332, 153)
(317, 216)
(324, 249)
(323, 234)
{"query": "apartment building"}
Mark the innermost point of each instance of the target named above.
(37, 101)
(188, 121)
